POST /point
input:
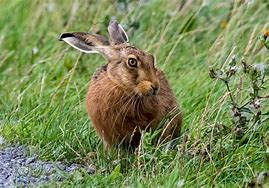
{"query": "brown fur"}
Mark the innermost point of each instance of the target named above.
(123, 100)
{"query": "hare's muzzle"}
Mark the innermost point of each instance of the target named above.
(155, 87)
(147, 88)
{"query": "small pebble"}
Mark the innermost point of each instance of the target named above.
(2, 140)
(30, 160)
(90, 169)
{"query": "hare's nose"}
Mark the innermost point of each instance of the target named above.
(155, 88)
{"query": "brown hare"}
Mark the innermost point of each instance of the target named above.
(128, 94)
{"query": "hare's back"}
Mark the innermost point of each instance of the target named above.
(99, 73)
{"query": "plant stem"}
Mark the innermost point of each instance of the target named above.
(230, 93)
(244, 105)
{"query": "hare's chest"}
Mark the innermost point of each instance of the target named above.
(110, 102)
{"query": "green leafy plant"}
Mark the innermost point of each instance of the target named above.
(249, 112)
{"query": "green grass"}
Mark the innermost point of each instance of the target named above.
(42, 93)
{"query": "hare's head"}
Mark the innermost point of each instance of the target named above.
(128, 67)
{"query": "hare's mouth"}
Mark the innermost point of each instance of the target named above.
(146, 88)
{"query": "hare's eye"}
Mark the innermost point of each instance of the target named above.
(132, 62)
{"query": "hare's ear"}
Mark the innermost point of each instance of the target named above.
(117, 35)
(86, 42)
